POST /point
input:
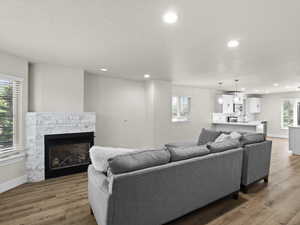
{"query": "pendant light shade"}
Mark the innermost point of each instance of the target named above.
(220, 99)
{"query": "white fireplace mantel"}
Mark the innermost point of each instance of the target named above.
(39, 124)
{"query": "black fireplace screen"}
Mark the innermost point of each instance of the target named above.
(67, 153)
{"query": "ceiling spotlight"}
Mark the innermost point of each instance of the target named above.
(170, 17)
(233, 44)
(276, 85)
(146, 76)
(103, 69)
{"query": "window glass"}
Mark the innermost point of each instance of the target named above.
(181, 108)
(288, 113)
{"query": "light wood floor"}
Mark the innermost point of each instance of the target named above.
(63, 201)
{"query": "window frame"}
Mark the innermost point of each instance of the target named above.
(179, 109)
(295, 119)
(17, 149)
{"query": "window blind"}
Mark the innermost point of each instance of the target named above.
(10, 97)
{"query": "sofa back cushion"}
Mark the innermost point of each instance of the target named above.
(207, 135)
(224, 145)
(138, 160)
(251, 138)
(182, 153)
(99, 156)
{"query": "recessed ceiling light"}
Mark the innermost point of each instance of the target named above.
(233, 43)
(146, 76)
(170, 17)
(103, 69)
(276, 85)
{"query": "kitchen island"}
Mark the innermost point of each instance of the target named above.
(294, 139)
(253, 127)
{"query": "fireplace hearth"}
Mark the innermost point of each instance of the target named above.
(67, 153)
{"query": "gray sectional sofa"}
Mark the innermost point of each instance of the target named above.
(256, 154)
(157, 186)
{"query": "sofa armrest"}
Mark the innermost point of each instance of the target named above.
(181, 144)
(100, 196)
(256, 162)
(99, 180)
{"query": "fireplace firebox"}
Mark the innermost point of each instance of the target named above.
(67, 153)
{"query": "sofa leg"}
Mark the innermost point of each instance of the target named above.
(92, 213)
(244, 189)
(235, 195)
(266, 179)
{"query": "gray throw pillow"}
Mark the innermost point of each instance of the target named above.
(251, 138)
(207, 136)
(182, 153)
(223, 146)
(138, 160)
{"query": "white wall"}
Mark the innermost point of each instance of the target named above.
(55, 88)
(120, 108)
(271, 112)
(14, 66)
(138, 114)
(202, 107)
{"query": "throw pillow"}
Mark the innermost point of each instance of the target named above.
(207, 136)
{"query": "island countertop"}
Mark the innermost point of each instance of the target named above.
(253, 123)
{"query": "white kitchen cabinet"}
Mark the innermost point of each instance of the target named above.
(227, 104)
(253, 105)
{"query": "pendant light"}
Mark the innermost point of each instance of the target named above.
(220, 99)
(236, 97)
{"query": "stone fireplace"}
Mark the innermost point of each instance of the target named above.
(58, 143)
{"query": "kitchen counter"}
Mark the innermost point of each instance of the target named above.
(255, 123)
(253, 126)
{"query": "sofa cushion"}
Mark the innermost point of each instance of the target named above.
(207, 136)
(138, 160)
(223, 146)
(181, 144)
(251, 138)
(99, 156)
(182, 153)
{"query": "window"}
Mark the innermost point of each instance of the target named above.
(290, 113)
(181, 108)
(10, 115)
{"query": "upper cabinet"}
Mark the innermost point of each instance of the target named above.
(253, 105)
(227, 104)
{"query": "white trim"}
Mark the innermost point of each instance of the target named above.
(11, 159)
(13, 183)
(277, 136)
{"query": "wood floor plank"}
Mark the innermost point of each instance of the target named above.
(63, 201)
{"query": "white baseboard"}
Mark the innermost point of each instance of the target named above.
(277, 136)
(12, 183)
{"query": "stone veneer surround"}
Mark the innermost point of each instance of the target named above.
(39, 124)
